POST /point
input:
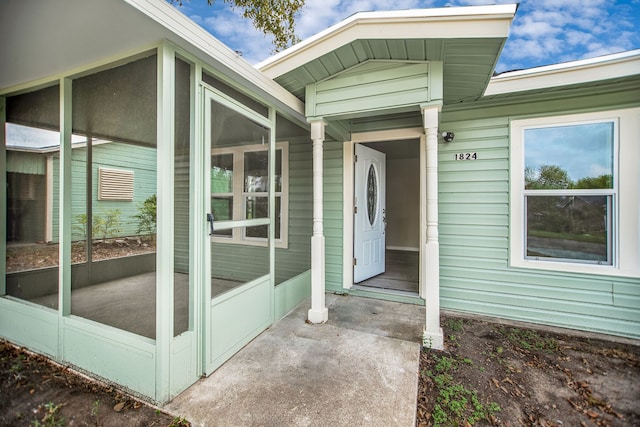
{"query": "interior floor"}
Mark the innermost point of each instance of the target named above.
(401, 272)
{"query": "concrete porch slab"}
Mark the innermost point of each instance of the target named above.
(360, 368)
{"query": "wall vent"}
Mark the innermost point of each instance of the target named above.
(115, 184)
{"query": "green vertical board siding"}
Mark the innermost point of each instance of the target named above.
(22, 162)
(139, 159)
(475, 275)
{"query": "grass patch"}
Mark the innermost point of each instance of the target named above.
(51, 417)
(528, 339)
(455, 325)
(455, 404)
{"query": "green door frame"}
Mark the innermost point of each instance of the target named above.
(242, 309)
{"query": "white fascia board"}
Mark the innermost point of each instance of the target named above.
(440, 23)
(607, 67)
(177, 23)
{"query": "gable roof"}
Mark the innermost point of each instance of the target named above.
(468, 40)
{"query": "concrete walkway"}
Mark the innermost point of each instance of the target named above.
(360, 368)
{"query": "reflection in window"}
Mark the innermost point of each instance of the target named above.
(568, 227)
(576, 156)
(222, 190)
(250, 188)
(184, 299)
(234, 266)
(293, 258)
(32, 146)
(239, 191)
(569, 192)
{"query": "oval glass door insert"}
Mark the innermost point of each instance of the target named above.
(372, 194)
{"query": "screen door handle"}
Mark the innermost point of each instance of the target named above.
(210, 220)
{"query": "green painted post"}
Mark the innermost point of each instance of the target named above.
(64, 270)
(165, 237)
(3, 197)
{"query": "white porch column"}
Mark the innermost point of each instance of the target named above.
(318, 312)
(432, 336)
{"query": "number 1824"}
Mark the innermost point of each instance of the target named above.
(466, 156)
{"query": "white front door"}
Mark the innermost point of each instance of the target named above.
(369, 213)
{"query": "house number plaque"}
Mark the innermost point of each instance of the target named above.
(466, 156)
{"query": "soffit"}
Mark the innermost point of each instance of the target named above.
(583, 72)
(468, 40)
(628, 83)
(44, 40)
(467, 63)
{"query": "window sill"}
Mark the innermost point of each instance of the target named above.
(570, 267)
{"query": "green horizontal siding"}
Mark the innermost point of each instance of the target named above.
(475, 275)
(296, 258)
(181, 212)
(474, 226)
(139, 159)
(370, 86)
(241, 262)
(333, 215)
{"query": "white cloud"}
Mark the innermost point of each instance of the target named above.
(238, 34)
(543, 32)
(534, 29)
(577, 38)
(318, 15)
(551, 31)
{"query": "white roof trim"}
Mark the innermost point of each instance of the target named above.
(584, 71)
(175, 21)
(448, 22)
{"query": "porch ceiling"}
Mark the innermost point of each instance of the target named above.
(45, 40)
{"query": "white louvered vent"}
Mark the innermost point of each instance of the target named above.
(115, 184)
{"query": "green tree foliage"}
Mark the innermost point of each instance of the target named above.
(274, 17)
(147, 216)
(590, 182)
(105, 224)
(547, 177)
(570, 215)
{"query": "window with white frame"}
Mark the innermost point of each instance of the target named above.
(240, 190)
(568, 206)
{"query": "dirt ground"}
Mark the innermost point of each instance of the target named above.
(41, 255)
(489, 374)
(36, 392)
(503, 375)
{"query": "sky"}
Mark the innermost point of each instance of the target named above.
(557, 145)
(544, 32)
